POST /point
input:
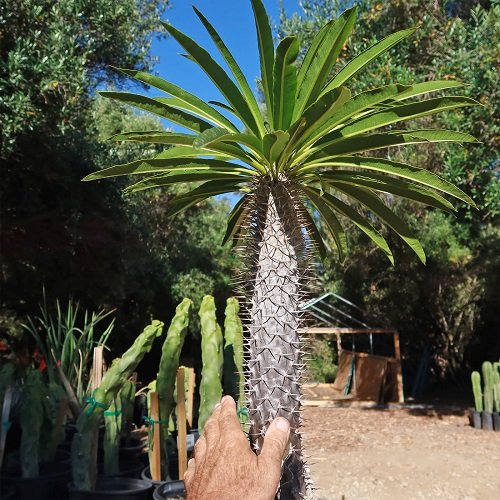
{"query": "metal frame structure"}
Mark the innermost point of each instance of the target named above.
(341, 322)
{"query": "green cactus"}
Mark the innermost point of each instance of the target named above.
(487, 369)
(211, 350)
(88, 421)
(169, 361)
(127, 401)
(234, 380)
(113, 426)
(31, 418)
(476, 389)
(496, 389)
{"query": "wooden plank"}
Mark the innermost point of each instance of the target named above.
(181, 423)
(399, 375)
(320, 330)
(156, 430)
(96, 379)
(190, 399)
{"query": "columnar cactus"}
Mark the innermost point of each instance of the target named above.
(112, 382)
(487, 369)
(234, 382)
(113, 420)
(477, 391)
(496, 389)
(212, 359)
(169, 361)
(31, 419)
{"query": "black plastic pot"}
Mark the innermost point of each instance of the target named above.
(496, 421)
(171, 489)
(127, 468)
(7, 492)
(50, 485)
(115, 488)
(475, 418)
(132, 447)
(146, 476)
(487, 420)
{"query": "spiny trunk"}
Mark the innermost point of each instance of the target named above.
(277, 251)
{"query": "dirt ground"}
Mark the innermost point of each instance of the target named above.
(366, 453)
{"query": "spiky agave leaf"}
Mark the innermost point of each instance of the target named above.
(306, 156)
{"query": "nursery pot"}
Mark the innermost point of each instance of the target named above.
(146, 476)
(487, 420)
(171, 489)
(126, 468)
(132, 447)
(496, 421)
(475, 418)
(114, 488)
(50, 485)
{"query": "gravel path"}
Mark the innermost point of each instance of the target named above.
(400, 454)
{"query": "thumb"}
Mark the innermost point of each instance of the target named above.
(275, 441)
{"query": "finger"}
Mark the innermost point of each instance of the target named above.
(200, 449)
(228, 419)
(275, 443)
(190, 472)
(211, 429)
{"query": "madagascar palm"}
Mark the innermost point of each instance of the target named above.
(305, 155)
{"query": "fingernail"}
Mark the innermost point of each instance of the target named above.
(191, 462)
(225, 398)
(282, 424)
(217, 405)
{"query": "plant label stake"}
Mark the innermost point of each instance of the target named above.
(190, 400)
(181, 423)
(156, 437)
(96, 379)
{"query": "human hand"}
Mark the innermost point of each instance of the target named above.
(225, 468)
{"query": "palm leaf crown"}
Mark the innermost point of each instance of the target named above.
(314, 133)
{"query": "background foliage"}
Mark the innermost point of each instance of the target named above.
(91, 243)
(448, 307)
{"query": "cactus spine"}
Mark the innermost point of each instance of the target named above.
(487, 369)
(212, 359)
(169, 361)
(276, 252)
(112, 381)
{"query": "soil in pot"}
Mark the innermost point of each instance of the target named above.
(114, 488)
(170, 490)
(487, 420)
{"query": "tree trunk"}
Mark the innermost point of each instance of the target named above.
(277, 251)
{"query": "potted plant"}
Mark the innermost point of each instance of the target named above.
(39, 466)
(475, 413)
(86, 484)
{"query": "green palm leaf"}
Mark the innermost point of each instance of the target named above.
(218, 76)
(366, 57)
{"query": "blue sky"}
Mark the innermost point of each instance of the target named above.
(233, 19)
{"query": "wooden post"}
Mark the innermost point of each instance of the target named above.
(190, 400)
(7, 400)
(399, 371)
(96, 379)
(156, 430)
(181, 423)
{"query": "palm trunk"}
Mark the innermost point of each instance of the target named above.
(277, 252)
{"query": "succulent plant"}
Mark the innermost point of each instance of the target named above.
(84, 467)
(212, 359)
(305, 155)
